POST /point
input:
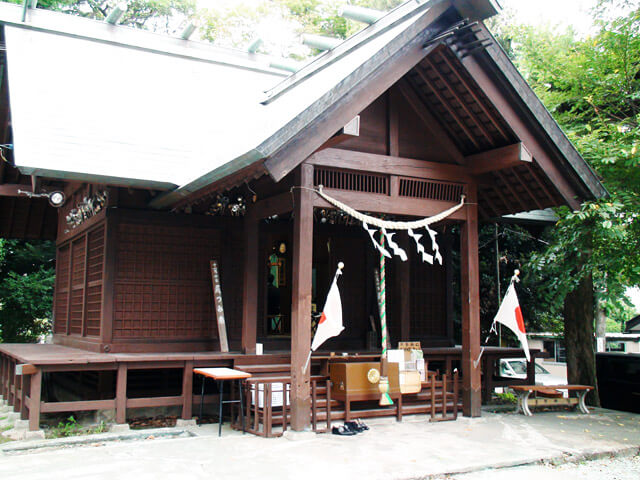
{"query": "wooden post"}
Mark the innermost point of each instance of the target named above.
(187, 390)
(34, 400)
(108, 278)
(121, 394)
(448, 266)
(2, 369)
(469, 263)
(301, 299)
(250, 279)
(24, 382)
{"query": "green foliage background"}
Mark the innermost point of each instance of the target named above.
(27, 271)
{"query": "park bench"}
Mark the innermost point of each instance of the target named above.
(548, 396)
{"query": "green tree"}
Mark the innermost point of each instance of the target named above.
(26, 289)
(157, 15)
(592, 88)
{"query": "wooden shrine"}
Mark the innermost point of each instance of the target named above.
(430, 111)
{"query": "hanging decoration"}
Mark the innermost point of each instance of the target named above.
(385, 225)
(223, 206)
(87, 208)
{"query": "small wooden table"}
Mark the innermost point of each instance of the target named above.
(549, 396)
(220, 374)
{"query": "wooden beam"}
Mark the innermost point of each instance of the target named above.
(407, 167)
(517, 123)
(377, 203)
(349, 131)
(301, 299)
(393, 142)
(276, 205)
(423, 111)
(36, 183)
(11, 190)
(26, 369)
(250, 284)
(470, 272)
(498, 159)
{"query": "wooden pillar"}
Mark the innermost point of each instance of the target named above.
(301, 299)
(25, 383)
(469, 268)
(2, 385)
(448, 266)
(108, 278)
(34, 400)
(187, 390)
(250, 279)
(121, 394)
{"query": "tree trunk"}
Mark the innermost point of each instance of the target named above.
(601, 328)
(578, 337)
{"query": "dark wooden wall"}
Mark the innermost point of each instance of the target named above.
(414, 138)
(159, 297)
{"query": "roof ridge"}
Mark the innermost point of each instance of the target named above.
(59, 23)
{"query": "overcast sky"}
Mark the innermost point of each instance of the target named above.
(553, 12)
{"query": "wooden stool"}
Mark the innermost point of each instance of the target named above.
(220, 375)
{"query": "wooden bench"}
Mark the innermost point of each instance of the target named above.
(547, 396)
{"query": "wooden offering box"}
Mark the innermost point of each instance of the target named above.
(349, 381)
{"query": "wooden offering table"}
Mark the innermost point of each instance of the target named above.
(545, 396)
(220, 375)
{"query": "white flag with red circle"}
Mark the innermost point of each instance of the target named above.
(330, 324)
(510, 315)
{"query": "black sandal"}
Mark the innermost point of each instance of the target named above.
(361, 425)
(342, 430)
(354, 427)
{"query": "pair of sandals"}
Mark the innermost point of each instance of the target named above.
(350, 428)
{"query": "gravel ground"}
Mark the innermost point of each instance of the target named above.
(618, 468)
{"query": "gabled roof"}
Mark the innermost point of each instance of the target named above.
(633, 325)
(128, 107)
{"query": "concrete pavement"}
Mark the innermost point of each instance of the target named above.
(411, 449)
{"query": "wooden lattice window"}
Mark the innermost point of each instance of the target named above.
(430, 189)
(354, 181)
(78, 291)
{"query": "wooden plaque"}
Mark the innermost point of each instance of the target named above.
(217, 299)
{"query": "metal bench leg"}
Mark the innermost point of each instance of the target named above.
(241, 404)
(581, 405)
(523, 404)
(221, 392)
(201, 400)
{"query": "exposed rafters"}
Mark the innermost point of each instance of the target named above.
(446, 105)
(490, 115)
(472, 115)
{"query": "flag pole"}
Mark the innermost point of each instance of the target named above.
(514, 279)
